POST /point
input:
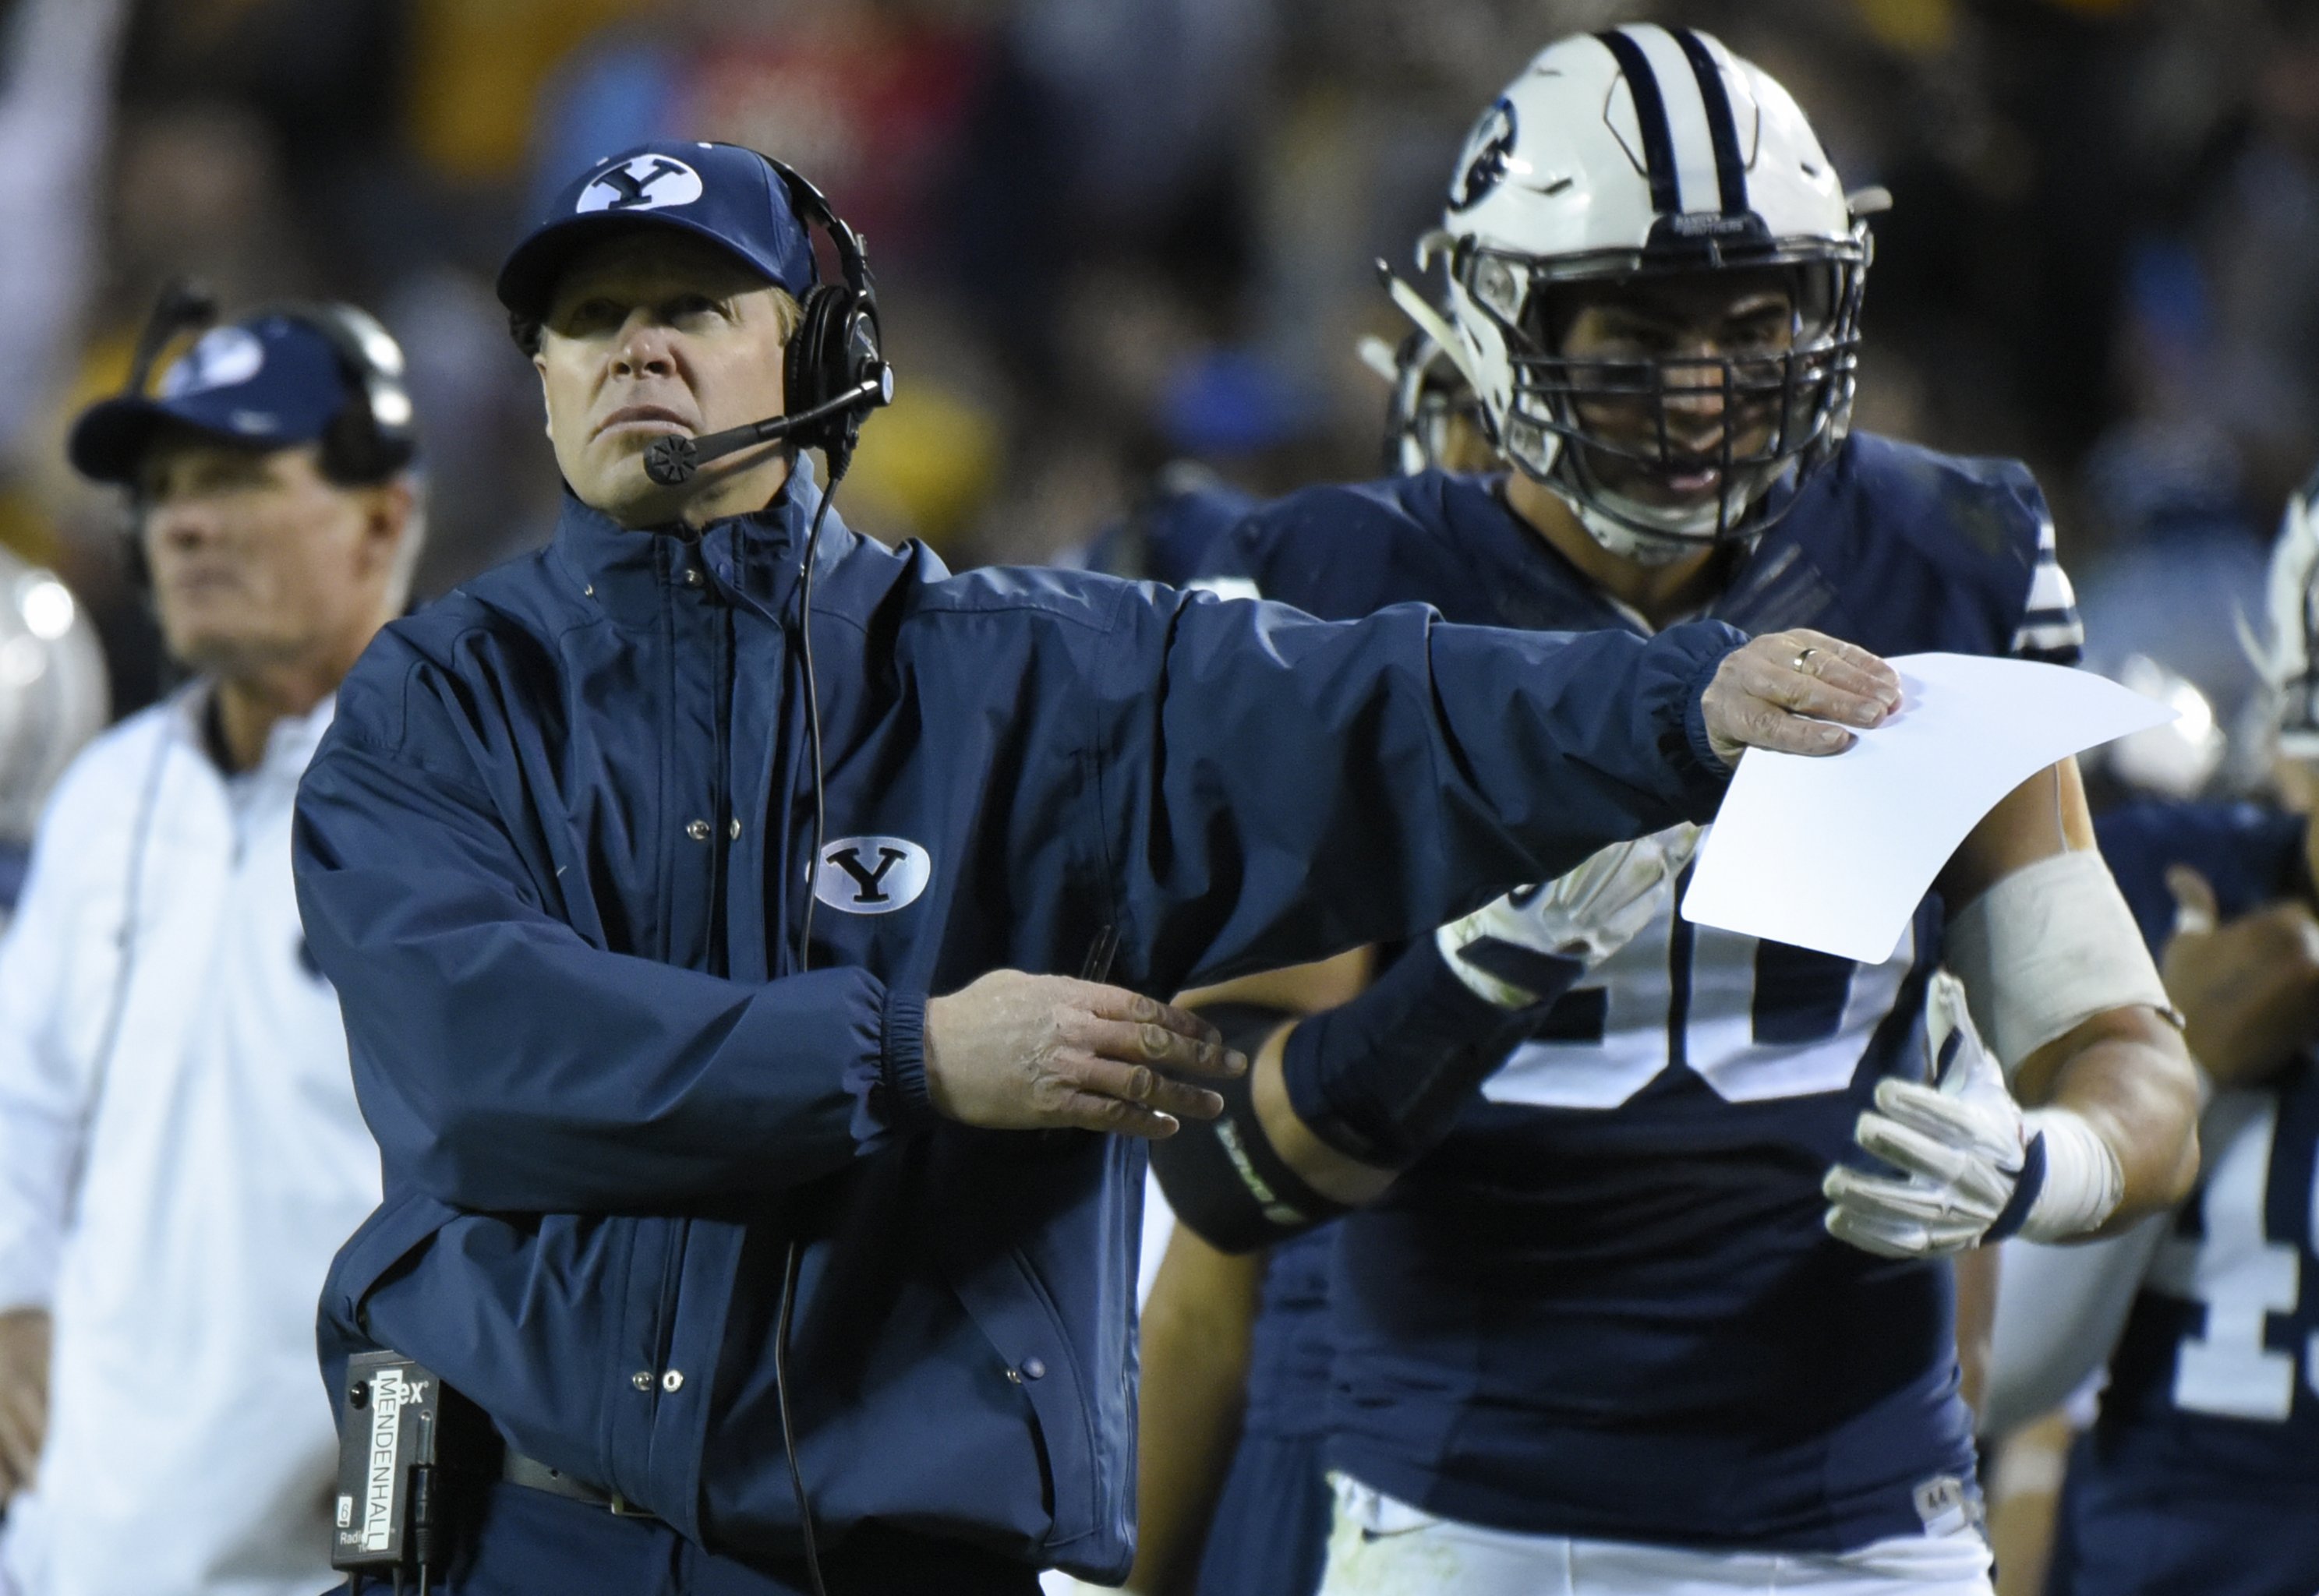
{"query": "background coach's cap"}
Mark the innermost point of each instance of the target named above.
(722, 192)
(270, 382)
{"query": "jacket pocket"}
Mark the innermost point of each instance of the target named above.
(1011, 1309)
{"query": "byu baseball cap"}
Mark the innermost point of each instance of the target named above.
(723, 193)
(272, 382)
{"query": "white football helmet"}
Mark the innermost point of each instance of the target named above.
(1642, 151)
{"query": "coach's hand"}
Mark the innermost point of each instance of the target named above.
(23, 1396)
(1781, 692)
(1026, 1052)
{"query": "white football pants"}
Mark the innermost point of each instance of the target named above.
(1385, 1547)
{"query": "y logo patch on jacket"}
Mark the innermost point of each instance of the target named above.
(871, 874)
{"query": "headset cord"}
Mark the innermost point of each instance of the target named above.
(133, 931)
(812, 711)
(804, 962)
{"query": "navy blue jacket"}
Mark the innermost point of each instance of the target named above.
(550, 854)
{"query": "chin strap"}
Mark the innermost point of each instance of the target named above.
(1631, 542)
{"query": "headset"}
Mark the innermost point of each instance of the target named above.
(367, 442)
(833, 374)
(364, 444)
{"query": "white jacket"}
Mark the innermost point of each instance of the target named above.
(180, 1155)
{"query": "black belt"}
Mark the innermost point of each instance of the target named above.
(530, 1473)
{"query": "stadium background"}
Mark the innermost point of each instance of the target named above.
(1111, 233)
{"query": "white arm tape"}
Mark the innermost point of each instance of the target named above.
(2045, 950)
(2084, 1181)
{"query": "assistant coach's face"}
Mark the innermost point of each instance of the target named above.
(649, 334)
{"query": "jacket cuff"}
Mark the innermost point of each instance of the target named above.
(1703, 772)
(902, 1061)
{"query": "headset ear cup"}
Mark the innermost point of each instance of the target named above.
(806, 370)
(372, 439)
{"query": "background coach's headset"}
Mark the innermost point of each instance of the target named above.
(366, 442)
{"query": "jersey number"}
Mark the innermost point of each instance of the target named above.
(2241, 1276)
(1755, 1020)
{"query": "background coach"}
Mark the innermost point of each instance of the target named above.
(645, 1169)
(180, 1151)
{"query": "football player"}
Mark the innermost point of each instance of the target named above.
(1667, 1308)
(2202, 1471)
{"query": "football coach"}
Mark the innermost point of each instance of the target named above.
(751, 1160)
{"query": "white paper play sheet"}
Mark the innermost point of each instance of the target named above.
(1836, 853)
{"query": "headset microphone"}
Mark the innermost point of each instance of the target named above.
(671, 461)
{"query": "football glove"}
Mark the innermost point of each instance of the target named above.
(1506, 950)
(1973, 1166)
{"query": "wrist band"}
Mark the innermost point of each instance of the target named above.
(1227, 1182)
(1383, 1078)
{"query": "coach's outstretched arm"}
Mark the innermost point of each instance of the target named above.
(1606, 737)
(1296, 787)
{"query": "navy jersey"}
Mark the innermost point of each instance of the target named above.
(1166, 535)
(1606, 1305)
(2203, 1470)
(1288, 1354)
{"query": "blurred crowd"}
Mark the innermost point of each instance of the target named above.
(1124, 232)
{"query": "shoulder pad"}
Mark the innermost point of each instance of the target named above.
(1958, 508)
(1343, 549)
(1981, 525)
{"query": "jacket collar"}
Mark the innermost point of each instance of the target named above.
(750, 559)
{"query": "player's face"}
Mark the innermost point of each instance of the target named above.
(650, 335)
(258, 560)
(1691, 327)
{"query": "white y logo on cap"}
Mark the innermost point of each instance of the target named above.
(642, 183)
(223, 357)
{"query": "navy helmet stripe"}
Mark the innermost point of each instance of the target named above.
(1650, 113)
(1722, 129)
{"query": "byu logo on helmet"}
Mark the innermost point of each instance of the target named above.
(223, 357)
(642, 183)
(871, 874)
(1489, 149)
